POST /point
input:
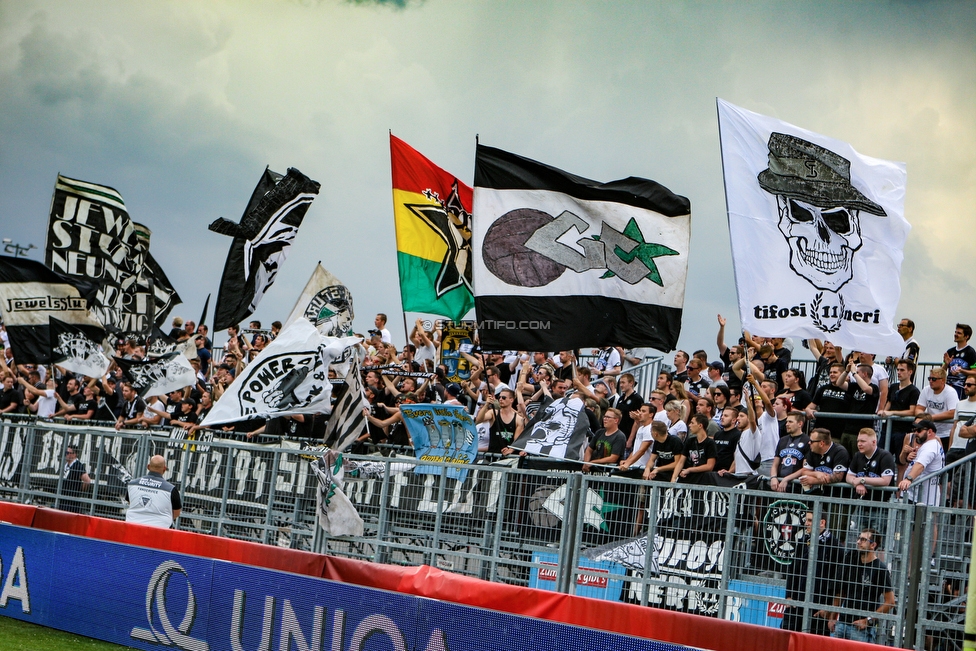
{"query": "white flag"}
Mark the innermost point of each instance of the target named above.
(290, 376)
(326, 303)
(817, 233)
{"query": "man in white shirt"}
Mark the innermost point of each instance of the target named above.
(380, 323)
(642, 442)
(939, 402)
(47, 402)
(962, 432)
(926, 457)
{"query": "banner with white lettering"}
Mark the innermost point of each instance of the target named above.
(90, 235)
(30, 296)
(817, 233)
(289, 377)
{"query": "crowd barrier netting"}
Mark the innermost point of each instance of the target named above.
(725, 553)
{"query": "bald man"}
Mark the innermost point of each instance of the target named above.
(152, 500)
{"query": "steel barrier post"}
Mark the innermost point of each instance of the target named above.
(729, 552)
(655, 502)
(571, 511)
(438, 517)
(379, 554)
(499, 522)
(914, 568)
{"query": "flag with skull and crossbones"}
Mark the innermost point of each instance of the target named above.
(817, 233)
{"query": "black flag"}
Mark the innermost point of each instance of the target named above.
(74, 349)
(30, 294)
(261, 242)
(206, 307)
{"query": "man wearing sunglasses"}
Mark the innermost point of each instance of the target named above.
(939, 402)
(863, 584)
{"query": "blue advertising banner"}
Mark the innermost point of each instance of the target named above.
(441, 433)
(598, 585)
(759, 610)
(153, 600)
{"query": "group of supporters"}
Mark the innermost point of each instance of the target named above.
(748, 412)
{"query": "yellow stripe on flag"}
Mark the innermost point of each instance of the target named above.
(413, 235)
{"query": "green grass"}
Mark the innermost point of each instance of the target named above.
(16, 635)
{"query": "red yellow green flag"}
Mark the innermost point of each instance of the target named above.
(432, 210)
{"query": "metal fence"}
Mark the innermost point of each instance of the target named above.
(723, 552)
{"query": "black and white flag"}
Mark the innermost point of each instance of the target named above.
(347, 421)
(326, 303)
(261, 242)
(290, 376)
(74, 350)
(564, 262)
(30, 295)
(817, 233)
(90, 235)
(560, 430)
(159, 376)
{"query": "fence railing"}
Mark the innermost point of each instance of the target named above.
(723, 552)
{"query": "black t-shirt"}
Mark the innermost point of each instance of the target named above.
(627, 405)
(820, 376)
(860, 402)
(698, 452)
(666, 453)
(800, 399)
(881, 464)
(725, 444)
(836, 459)
(832, 400)
(733, 380)
(698, 387)
(189, 417)
(900, 400)
(863, 585)
(791, 451)
(774, 370)
(964, 359)
(88, 406)
(11, 397)
(132, 409)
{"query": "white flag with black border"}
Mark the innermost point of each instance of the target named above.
(817, 233)
(290, 376)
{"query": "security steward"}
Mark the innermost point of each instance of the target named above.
(153, 500)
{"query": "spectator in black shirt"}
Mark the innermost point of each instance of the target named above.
(794, 390)
(826, 463)
(790, 453)
(666, 450)
(699, 453)
(871, 468)
(901, 402)
(727, 439)
(830, 399)
(607, 446)
(11, 400)
(863, 584)
(86, 410)
(862, 399)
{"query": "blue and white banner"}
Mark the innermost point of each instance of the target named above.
(442, 434)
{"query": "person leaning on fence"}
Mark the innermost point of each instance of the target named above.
(829, 555)
(133, 408)
(665, 452)
(924, 456)
(699, 455)
(871, 468)
(633, 466)
(863, 584)
(152, 500)
(826, 463)
(790, 454)
(607, 446)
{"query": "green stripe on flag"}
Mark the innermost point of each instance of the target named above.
(417, 278)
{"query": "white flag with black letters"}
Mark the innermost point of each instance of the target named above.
(817, 233)
(290, 376)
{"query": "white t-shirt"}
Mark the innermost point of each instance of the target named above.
(932, 457)
(965, 409)
(679, 429)
(643, 434)
(47, 404)
(751, 444)
(769, 427)
(938, 403)
(385, 336)
(608, 360)
(878, 373)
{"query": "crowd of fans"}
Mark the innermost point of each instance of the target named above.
(747, 411)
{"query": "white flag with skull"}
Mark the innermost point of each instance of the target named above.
(290, 376)
(817, 233)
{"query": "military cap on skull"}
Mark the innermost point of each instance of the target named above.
(805, 171)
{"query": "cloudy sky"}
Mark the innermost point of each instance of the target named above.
(180, 105)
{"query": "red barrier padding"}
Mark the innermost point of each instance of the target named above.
(21, 515)
(433, 583)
